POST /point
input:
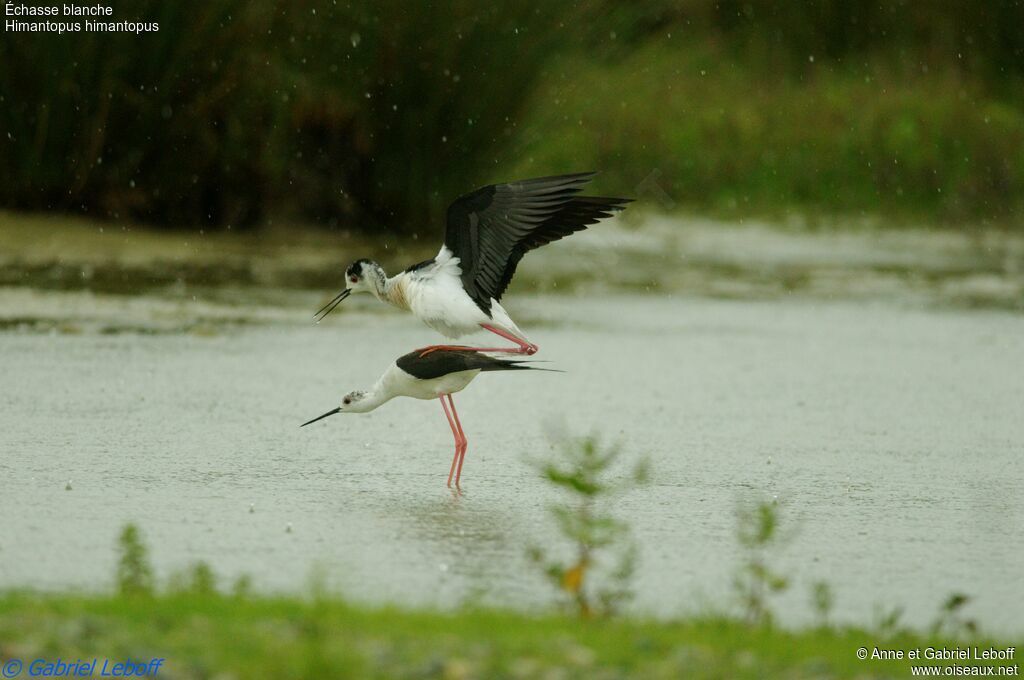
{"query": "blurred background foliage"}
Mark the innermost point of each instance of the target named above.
(375, 115)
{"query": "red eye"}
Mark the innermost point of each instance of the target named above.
(354, 279)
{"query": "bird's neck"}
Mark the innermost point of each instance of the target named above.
(394, 291)
(375, 397)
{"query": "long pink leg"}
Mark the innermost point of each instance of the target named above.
(424, 351)
(455, 433)
(462, 435)
(522, 347)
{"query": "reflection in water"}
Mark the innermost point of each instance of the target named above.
(464, 538)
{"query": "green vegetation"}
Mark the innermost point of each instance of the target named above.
(134, 572)
(374, 115)
(756, 581)
(229, 636)
(697, 127)
(239, 110)
(597, 576)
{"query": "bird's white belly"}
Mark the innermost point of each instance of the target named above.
(448, 384)
(445, 307)
(438, 299)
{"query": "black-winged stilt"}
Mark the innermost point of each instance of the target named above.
(433, 375)
(488, 231)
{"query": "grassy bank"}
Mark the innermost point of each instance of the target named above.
(685, 124)
(240, 637)
(296, 269)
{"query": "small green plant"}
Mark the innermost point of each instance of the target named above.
(242, 587)
(951, 620)
(596, 578)
(887, 621)
(198, 579)
(822, 601)
(756, 581)
(134, 572)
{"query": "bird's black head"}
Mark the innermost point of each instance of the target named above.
(362, 276)
(359, 270)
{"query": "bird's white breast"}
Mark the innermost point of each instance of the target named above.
(436, 296)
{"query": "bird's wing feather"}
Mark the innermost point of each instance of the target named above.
(442, 362)
(576, 215)
(485, 227)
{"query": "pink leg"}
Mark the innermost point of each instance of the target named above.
(424, 351)
(455, 433)
(462, 436)
(522, 347)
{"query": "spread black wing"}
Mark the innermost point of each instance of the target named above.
(490, 229)
(442, 362)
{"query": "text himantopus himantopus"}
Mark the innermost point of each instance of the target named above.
(432, 375)
(488, 231)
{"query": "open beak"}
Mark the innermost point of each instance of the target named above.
(329, 413)
(329, 307)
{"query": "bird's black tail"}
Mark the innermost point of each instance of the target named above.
(514, 365)
(489, 362)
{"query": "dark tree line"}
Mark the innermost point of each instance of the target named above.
(374, 113)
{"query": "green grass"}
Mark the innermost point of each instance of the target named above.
(689, 125)
(245, 637)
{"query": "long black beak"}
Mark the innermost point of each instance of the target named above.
(329, 413)
(329, 307)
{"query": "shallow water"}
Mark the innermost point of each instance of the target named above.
(891, 437)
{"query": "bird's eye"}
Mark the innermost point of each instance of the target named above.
(346, 401)
(354, 279)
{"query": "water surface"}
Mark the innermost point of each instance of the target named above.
(892, 438)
